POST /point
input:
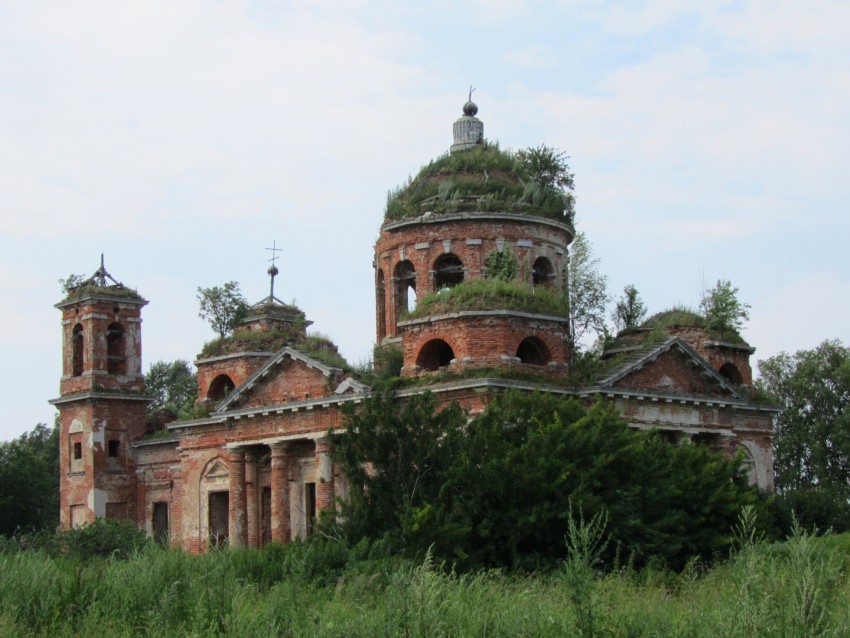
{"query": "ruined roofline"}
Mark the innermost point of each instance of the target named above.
(109, 294)
(478, 216)
(482, 313)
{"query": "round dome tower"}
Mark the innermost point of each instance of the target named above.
(469, 265)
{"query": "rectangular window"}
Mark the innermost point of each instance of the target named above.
(78, 451)
(219, 517)
(160, 521)
(310, 498)
(114, 446)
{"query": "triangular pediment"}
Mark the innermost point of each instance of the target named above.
(288, 375)
(671, 367)
(217, 470)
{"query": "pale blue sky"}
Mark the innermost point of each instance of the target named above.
(182, 138)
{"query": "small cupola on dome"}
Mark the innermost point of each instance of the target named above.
(468, 130)
(271, 314)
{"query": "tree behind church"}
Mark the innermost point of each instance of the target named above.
(29, 476)
(812, 432)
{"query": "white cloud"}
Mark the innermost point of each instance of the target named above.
(530, 57)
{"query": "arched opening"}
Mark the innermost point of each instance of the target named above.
(532, 350)
(77, 351)
(729, 372)
(405, 287)
(748, 465)
(434, 355)
(448, 271)
(380, 303)
(542, 271)
(220, 387)
(116, 356)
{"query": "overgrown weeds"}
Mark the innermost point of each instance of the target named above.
(491, 294)
(796, 588)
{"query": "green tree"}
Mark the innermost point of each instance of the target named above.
(629, 311)
(534, 460)
(224, 307)
(548, 170)
(503, 489)
(722, 310)
(811, 438)
(174, 388)
(29, 474)
(587, 291)
(70, 282)
(395, 454)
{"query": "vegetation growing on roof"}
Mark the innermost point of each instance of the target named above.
(316, 346)
(501, 264)
(322, 348)
(223, 306)
(491, 294)
(90, 290)
(657, 329)
(242, 340)
(488, 179)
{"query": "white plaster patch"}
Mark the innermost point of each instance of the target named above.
(98, 434)
(325, 468)
(76, 426)
(97, 502)
(762, 459)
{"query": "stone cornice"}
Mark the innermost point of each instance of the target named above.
(482, 313)
(442, 218)
(99, 396)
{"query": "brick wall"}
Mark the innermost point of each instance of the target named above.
(481, 340)
(471, 237)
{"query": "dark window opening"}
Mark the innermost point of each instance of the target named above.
(77, 351)
(220, 387)
(114, 447)
(731, 373)
(380, 305)
(708, 439)
(266, 516)
(448, 271)
(78, 451)
(542, 271)
(160, 522)
(533, 351)
(405, 287)
(435, 354)
(219, 518)
(310, 506)
(115, 349)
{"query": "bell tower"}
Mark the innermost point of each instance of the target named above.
(101, 400)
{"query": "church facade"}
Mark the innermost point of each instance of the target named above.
(256, 467)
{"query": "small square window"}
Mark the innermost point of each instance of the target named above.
(78, 451)
(114, 446)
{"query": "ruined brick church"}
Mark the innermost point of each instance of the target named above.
(256, 466)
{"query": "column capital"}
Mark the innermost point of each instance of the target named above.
(279, 447)
(237, 453)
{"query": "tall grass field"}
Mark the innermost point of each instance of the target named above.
(796, 588)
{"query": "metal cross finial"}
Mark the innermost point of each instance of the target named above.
(471, 89)
(273, 271)
(274, 250)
